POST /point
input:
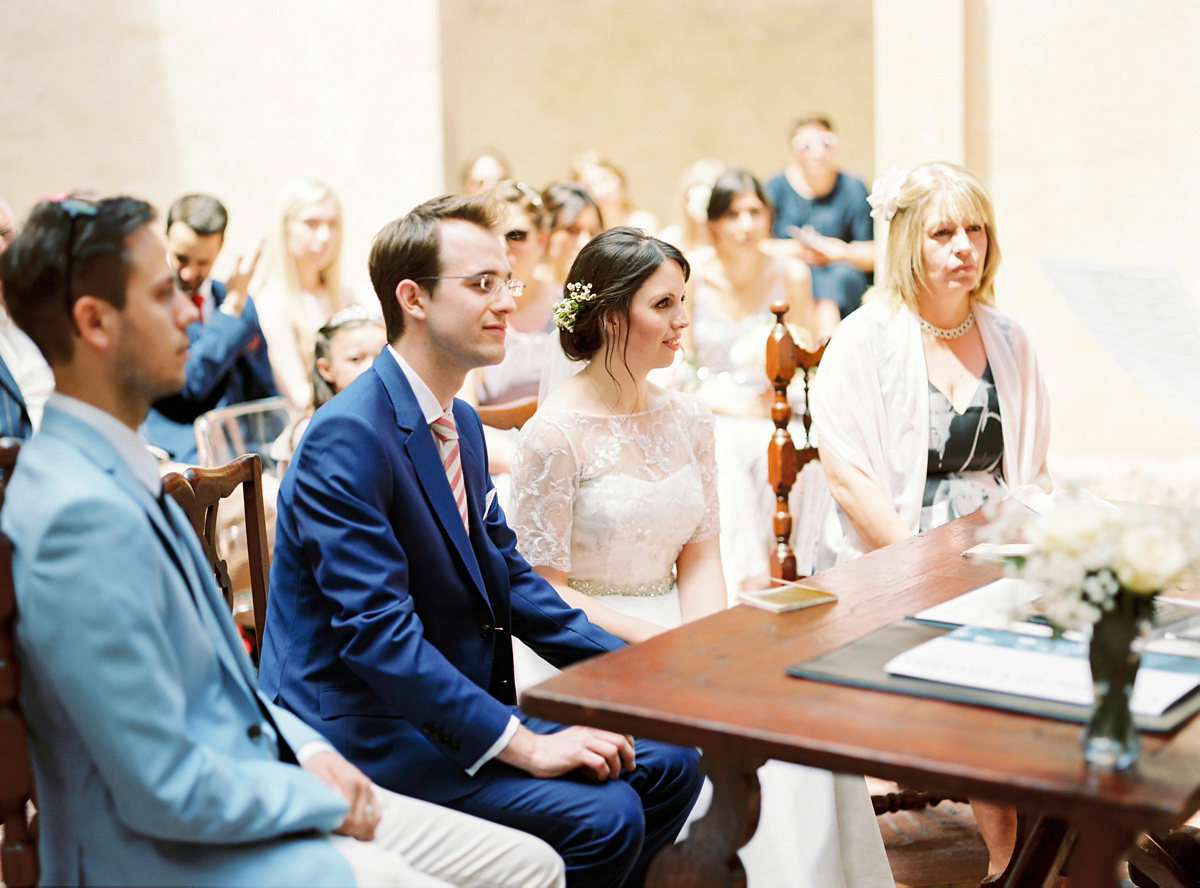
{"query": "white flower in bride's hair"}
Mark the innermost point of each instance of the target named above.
(884, 194)
(567, 308)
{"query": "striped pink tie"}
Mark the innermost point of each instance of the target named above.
(446, 432)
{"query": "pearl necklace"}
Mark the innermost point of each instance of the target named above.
(953, 333)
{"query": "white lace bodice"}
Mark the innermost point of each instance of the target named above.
(611, 500)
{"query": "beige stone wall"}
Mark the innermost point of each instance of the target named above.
(654, 85)
(1084, 119)
(159, 97)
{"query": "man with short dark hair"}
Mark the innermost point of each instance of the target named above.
(227, 359)
(826, 212)
(157, 761)
(396, 588)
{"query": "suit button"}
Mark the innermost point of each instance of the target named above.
(485, 631)
(254, 732)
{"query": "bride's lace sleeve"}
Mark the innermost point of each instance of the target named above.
(700, 418)
(545, 478)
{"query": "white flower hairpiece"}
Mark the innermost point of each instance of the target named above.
(567, 308)
(885, 192)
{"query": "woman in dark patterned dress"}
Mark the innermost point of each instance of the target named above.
(928, 401)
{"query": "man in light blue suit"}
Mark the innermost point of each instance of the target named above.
(397, 589)
(157, 761)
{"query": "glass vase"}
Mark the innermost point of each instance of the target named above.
(1110, 741)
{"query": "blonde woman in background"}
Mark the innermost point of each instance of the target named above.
(690, 231)
(299, 288)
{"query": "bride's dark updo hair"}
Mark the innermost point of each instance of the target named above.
(615, 264)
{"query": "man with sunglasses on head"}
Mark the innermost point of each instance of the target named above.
(827, 214)
(396, 587)
(157, 761)
(227, 359)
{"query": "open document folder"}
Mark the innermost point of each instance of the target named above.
(1045, 668)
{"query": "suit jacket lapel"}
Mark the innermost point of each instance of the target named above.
(427, 462)
(179, 541)
(209, 601)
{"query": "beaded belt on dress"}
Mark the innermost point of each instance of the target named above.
(642, 590)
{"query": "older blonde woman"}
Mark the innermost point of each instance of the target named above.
(929, 401)
(299, 287)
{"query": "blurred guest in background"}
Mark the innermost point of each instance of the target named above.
(732, 291)
(572, 219)
(607, 185)
(689, 230)
(827, 214)
(299, 285)
(344, 348)
(518, 375)
(25, 378)
(483, 171)
(227, 356)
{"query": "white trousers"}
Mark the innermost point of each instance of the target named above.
(422, 845)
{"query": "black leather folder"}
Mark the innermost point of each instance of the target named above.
(860, 664)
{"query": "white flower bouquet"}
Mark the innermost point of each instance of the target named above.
(1098, 568)
(1084, 552)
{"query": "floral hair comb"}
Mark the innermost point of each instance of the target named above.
(567, 308)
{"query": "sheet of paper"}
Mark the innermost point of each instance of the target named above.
(1143, 316)
(1045, 668)
(995, 605)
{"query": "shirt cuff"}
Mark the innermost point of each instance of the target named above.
(494, 749)
(311, 748)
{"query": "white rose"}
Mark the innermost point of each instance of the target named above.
(1072, 527)
(1148, 558)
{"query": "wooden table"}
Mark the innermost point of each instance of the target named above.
(720, 684)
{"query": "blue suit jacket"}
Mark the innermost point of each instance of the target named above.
(144, 727)
(14, 418)
(227, 364)
(388, 628)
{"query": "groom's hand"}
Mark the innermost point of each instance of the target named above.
(599, 754)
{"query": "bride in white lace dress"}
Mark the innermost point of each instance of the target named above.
(615, 503)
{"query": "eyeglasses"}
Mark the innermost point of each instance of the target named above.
(529, 193)
(517, 235)
(74, 207)
(488, 284)
(824, 142)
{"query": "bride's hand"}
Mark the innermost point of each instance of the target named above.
(644, 631)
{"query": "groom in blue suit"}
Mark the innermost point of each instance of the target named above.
(157, 761)
(396, 588)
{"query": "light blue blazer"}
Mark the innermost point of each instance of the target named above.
(152, 760)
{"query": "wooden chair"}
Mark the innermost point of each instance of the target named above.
(200, 492)
(784, 459)
(510, 414)
(18, 851)
(784, 462)
(1152, 855)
